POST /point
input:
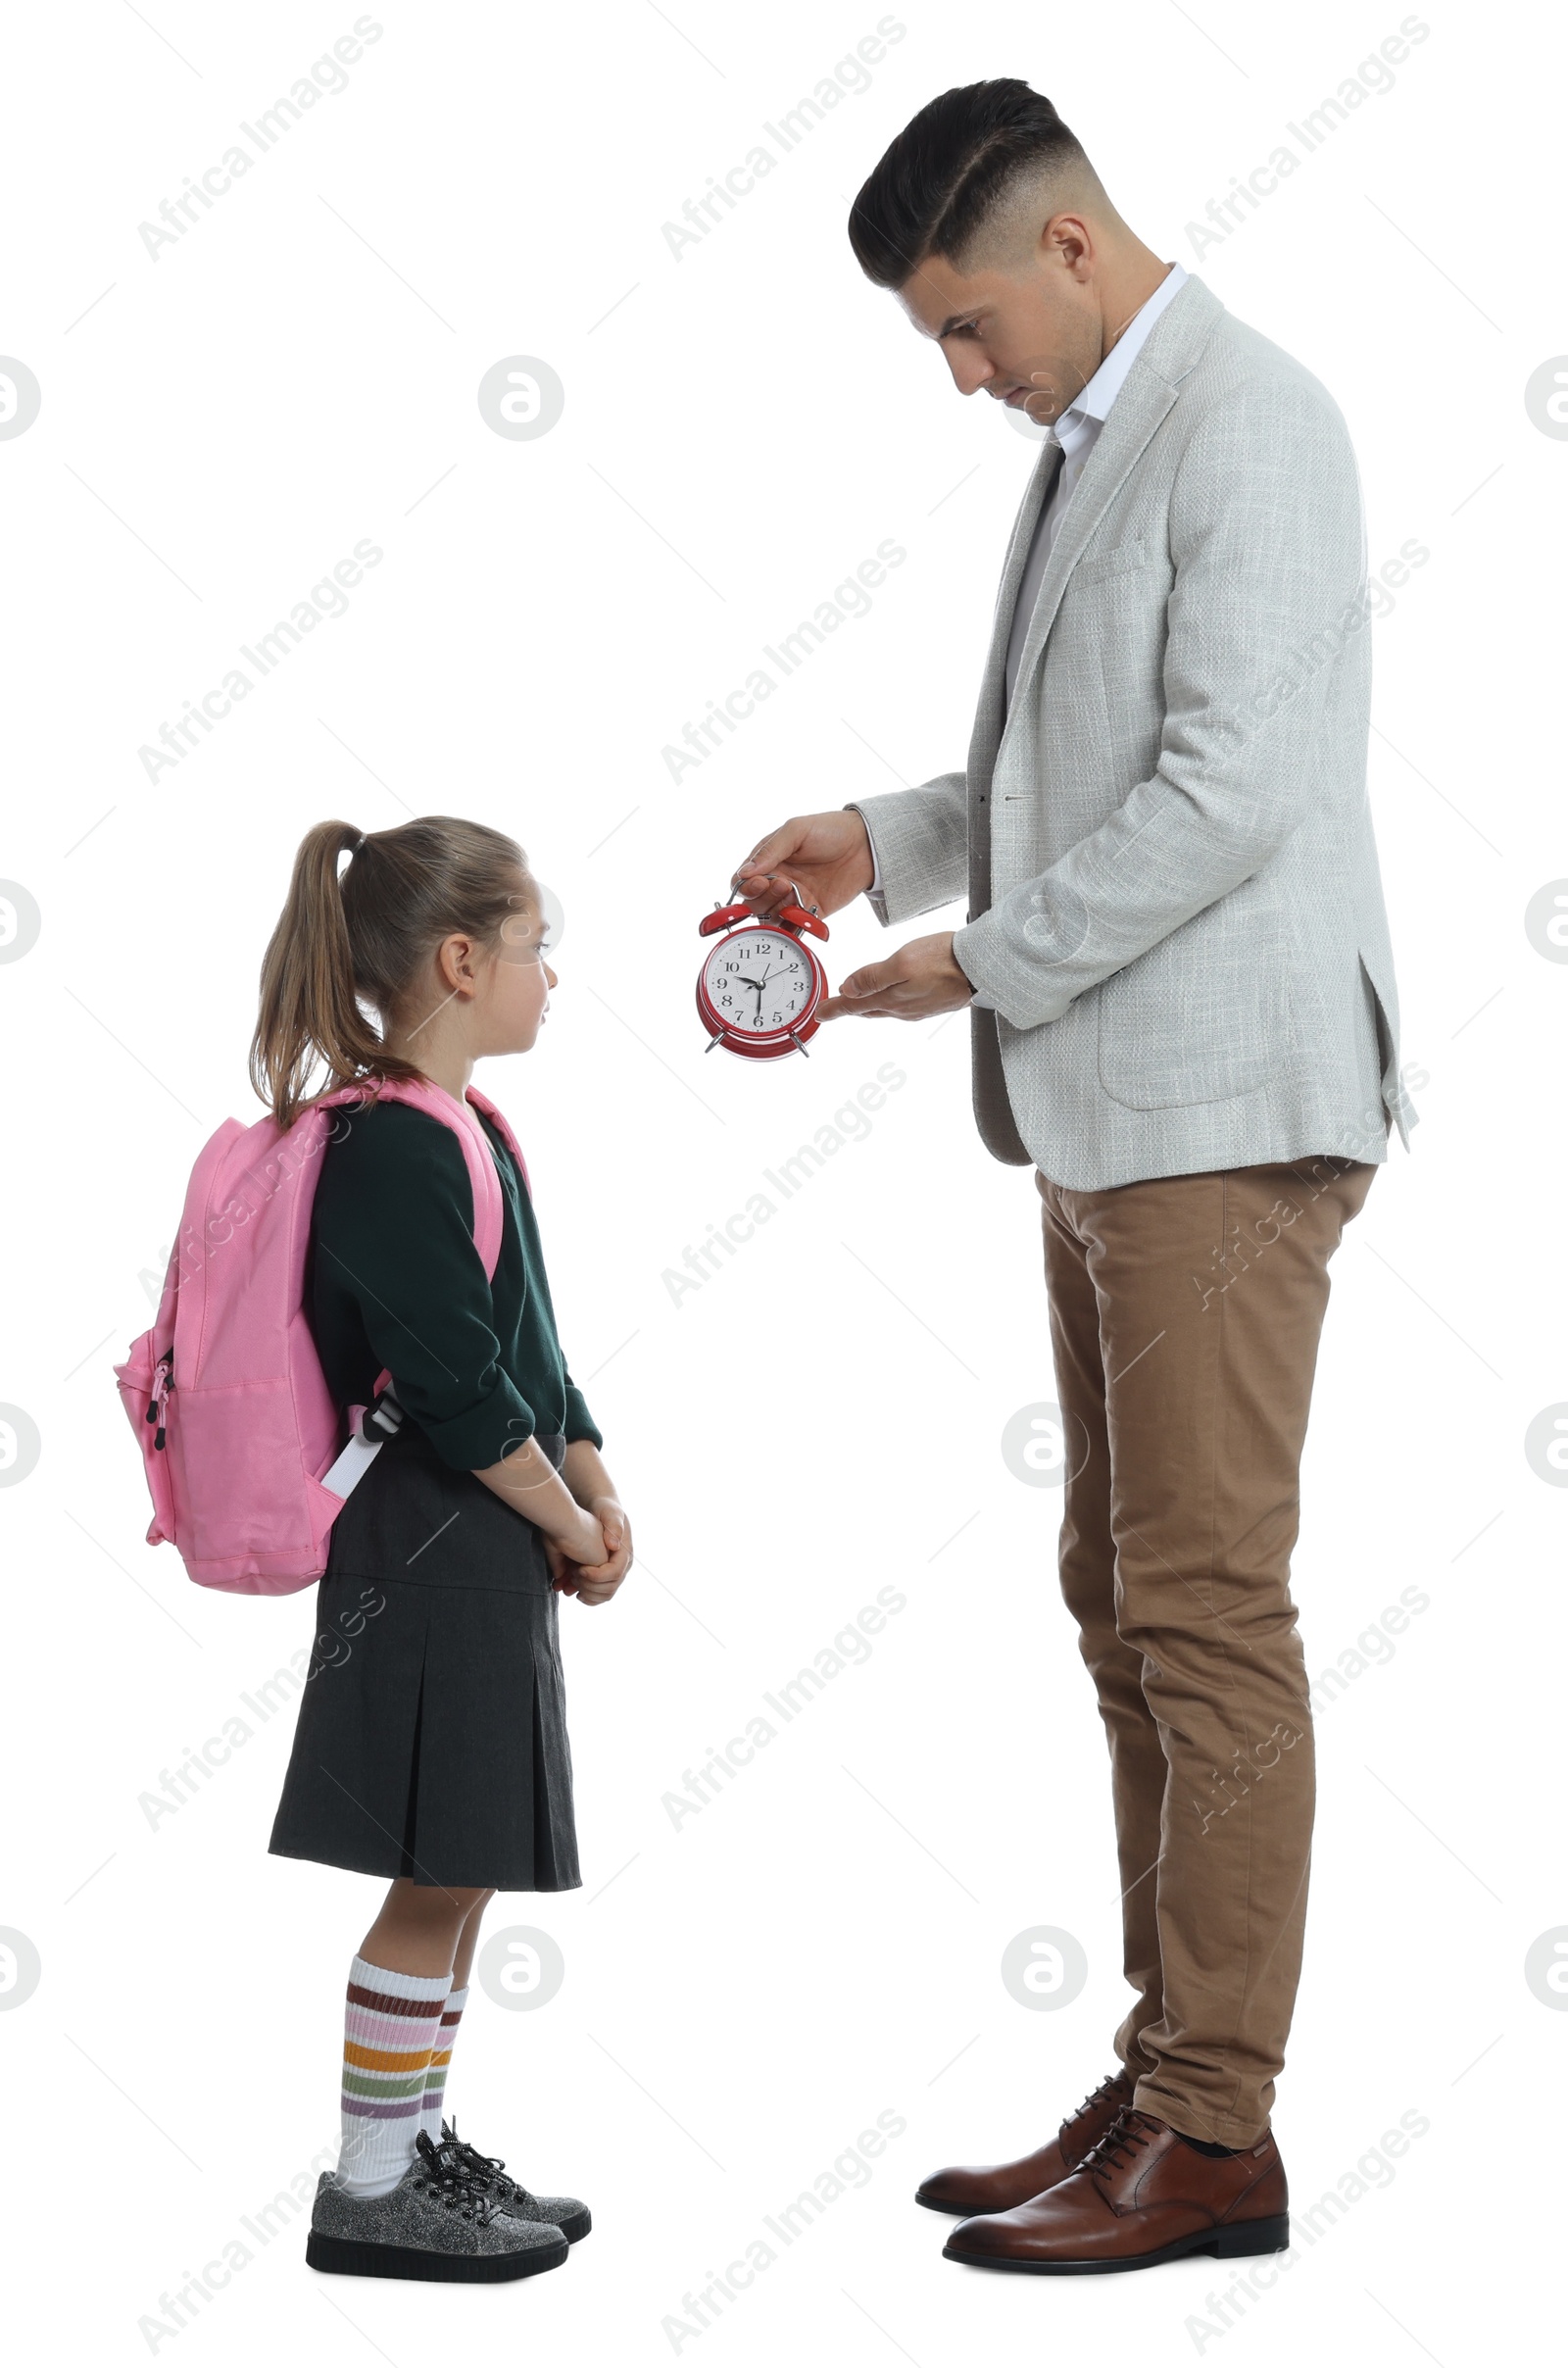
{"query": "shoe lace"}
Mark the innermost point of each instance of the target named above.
(1110, 2149)
(450, 2181)
(486, 2169)
(1097, 2096)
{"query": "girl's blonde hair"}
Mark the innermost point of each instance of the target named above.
(341, 944)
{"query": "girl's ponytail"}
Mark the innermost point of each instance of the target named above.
(309, 1008)
(341, 944)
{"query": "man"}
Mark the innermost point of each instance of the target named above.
(1184, 1016)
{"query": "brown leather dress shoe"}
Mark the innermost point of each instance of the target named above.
(996, 2187)
(1143, 2196)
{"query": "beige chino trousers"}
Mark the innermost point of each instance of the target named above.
(1185, 1317)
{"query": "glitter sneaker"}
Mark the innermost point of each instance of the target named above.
(565, 2212)
(439, 2222)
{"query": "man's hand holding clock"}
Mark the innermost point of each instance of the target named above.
(827, 857)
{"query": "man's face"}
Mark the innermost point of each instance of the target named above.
(1031, 336)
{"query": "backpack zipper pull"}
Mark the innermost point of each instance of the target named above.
(163, 1383)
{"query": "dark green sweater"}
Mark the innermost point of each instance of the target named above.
(394, 1280)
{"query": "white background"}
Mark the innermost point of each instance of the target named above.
(741, 427)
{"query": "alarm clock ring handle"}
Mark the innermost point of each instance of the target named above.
(794, 917)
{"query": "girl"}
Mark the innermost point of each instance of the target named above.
(432, 1747)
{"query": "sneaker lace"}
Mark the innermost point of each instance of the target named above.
(488, 2170)
(449, 2180)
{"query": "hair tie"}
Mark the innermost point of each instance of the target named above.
(360, 841)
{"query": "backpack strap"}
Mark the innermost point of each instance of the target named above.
(489, 1217)
(489, 1207)
(503, 1126)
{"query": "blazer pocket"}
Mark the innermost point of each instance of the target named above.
(1203, 1021)
(1122, 561)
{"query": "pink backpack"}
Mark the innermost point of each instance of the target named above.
(227, 1392)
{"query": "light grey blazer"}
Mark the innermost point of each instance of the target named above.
(1174, 900)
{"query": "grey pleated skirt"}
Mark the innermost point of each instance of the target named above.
(431, 1740)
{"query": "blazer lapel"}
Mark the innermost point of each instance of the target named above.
(1152, 385)
(989, 707)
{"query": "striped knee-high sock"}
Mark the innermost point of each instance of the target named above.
(435, 2079)
(390, 2032)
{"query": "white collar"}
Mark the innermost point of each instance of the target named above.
(1095, 403)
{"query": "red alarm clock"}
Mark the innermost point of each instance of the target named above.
(759, 986)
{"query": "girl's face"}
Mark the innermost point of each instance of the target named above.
(515, 981)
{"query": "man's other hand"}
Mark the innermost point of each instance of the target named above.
(918, 982)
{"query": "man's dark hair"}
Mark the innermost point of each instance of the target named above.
(948, 169)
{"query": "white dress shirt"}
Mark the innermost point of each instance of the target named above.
(1076, 433)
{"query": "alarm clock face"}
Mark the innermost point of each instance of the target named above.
(759, 981)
